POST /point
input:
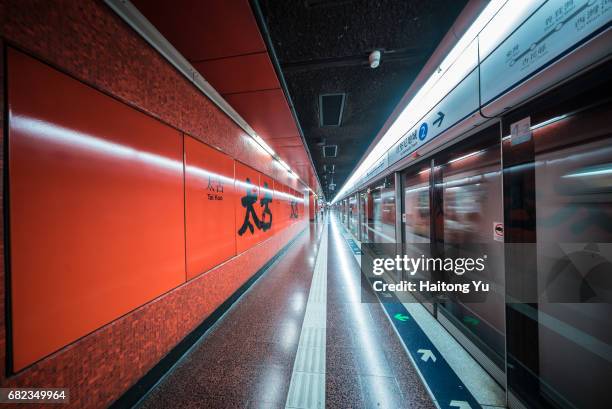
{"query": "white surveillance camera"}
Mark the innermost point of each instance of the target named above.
(374, 59)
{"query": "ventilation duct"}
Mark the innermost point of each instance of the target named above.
(331, 107)
(330, 151)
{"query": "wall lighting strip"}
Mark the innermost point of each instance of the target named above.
(264, 145)
(135, 19)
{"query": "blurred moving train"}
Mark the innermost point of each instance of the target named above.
(528, 175)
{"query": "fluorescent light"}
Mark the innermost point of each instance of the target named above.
(284, 165)
(548, 122)
(264, 145)
(465, 156)
(588, 173)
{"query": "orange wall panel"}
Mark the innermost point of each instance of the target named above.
(248, 227)
(292, 206)
(265, 205)
(284, 206)
(96, 208)
(209, 205)
(276, 206)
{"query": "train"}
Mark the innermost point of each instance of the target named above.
(525, 172)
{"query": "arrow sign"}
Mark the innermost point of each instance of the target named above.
(471, 320)
(461, 404)
(426, 354)
(401, 317)
(439, 119)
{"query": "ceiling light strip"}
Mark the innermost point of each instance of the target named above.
(137, 21)
(423, 102)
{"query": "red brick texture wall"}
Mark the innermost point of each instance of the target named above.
(85, 39)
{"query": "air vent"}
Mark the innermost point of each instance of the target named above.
(331, 107)
(330, 151)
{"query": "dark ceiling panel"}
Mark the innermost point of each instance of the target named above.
(204, 30)
(322, 47)
(239, 74)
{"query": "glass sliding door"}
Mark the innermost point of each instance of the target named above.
(353, 214)
(379, 212)
(560, 339)
(364, 215)
(416, 221)
(416, 218)
(468, 179)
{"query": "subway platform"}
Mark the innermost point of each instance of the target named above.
(302, 337)
(306, 204)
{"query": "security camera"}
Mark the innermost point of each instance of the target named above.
(374, 59)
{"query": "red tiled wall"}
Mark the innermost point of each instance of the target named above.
(87, 40)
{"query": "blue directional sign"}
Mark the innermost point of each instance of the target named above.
(423, 131)
(443, 382)
(354, 247)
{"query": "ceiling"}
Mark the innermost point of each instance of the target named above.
(322, 47)
(221, 39)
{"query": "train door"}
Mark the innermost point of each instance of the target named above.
(469, 214)
(364, 208)
(558, 185)
(353, 214)
(451, 206)
(416, 220)
(384, 210)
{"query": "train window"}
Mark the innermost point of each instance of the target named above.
(379, 212)
(416, 216)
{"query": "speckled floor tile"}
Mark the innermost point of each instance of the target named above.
(381, 392)
(343, 390)
(247, 358)
(363, 349)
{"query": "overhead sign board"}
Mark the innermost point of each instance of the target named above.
(457, 105)
(376, 169)
(557, 26)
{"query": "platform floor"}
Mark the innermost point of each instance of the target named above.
(264, 353)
